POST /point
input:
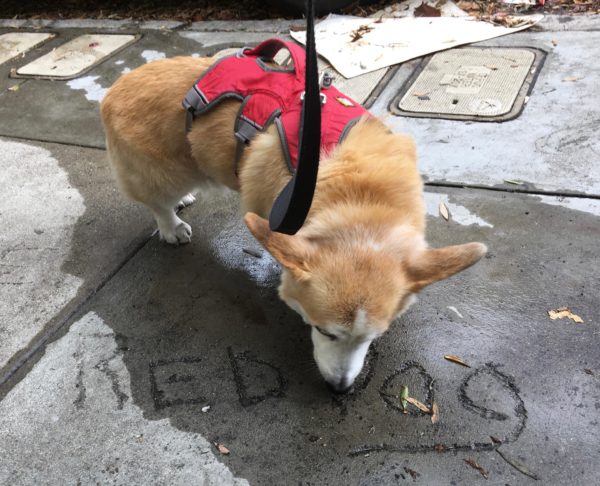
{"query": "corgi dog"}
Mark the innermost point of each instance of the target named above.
(361, 256)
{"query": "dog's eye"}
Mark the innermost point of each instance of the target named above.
(325, 333)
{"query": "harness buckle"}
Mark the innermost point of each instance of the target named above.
(193, 103)
(246, 129)
(323, 97)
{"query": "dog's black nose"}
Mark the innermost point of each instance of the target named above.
(340, 387)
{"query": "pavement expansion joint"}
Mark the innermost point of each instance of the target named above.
(38, 344)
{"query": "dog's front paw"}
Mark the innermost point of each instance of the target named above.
(181, 235)
(186, 200)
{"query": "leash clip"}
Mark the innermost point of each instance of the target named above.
(325, 79)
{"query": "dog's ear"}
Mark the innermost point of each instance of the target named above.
(437, 264)
(290, 251)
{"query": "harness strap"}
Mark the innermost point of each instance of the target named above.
(193, 103)
(271, 47)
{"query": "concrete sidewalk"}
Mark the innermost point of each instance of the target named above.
(112, 344)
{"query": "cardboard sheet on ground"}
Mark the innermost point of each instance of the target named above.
(356, 45)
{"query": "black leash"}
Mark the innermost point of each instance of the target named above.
(293, 203)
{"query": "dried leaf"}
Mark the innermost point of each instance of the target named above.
(93, 44)
(469, 6)
(476, 466)
(222, 449)
(358, 33)
(14, 88)
(435, 413)
(403, 397)
(517, 465)
(554, 43)
(587, 371)
(456, 359)
(426, 10)
(420, 405)
(562, 312)
(495, 440)
(444, 211)
(413, 474)
(439, 447)
(571, 78)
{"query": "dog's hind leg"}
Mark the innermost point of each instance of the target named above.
(172, 229)
(162, 187)
(186, 200)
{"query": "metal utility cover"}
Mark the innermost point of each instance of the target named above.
(362, 89)
(15, 43)
(74, 57)
(470, 83)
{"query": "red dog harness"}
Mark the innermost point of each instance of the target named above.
(270, 95)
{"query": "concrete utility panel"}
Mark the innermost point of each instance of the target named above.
(74, 57)
(471, 83)
(16, 43)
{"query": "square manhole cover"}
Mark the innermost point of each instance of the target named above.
(76, 56)
(474, 83)
(16, 43)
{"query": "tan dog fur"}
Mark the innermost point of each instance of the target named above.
(361, 255)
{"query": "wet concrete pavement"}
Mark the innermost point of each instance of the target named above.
(142, 336)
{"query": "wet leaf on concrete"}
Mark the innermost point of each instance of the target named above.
(420, 405)
(456, 359)
(403, 397)
(517, 465)
(435, 413)
(426, 10)
(474, 465)
(222, 449)
(563, 312)
(444, 211)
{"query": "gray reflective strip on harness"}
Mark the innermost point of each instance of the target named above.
(244, 131)
(193, 102)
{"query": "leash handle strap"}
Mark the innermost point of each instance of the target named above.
(293, 202)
